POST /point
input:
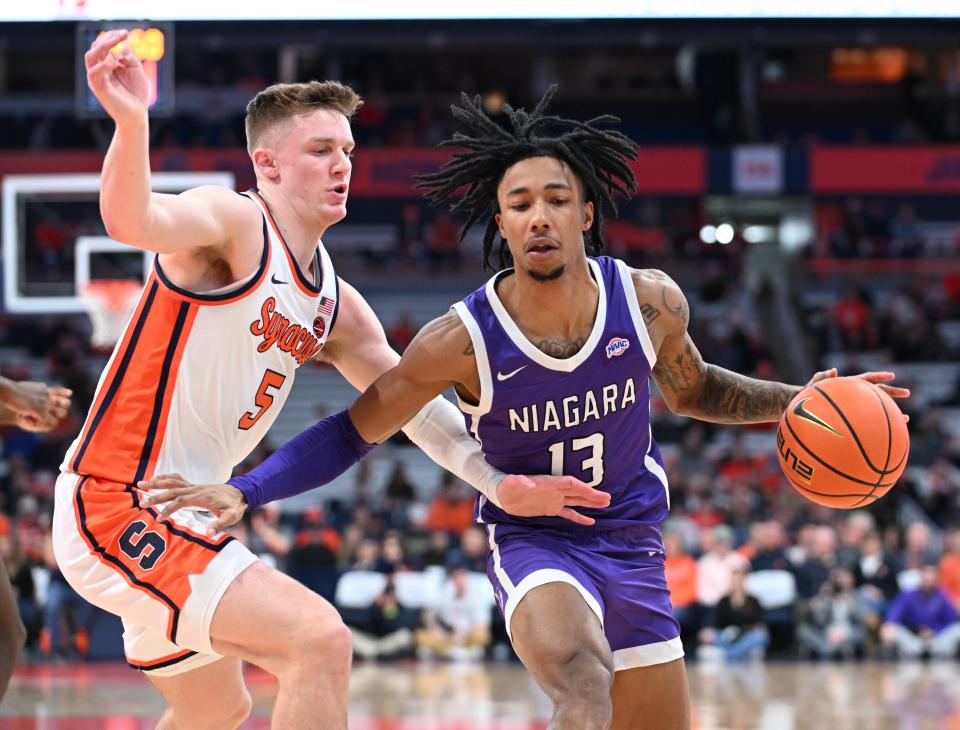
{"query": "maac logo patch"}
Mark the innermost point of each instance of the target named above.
(617, 346)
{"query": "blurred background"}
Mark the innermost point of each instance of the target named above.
(798, 177)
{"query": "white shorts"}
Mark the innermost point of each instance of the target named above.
(163, 578)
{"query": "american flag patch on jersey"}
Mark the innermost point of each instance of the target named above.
(326, 306)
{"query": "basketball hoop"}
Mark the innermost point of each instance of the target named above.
(109, 302)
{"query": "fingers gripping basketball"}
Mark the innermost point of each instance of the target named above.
(842, 442)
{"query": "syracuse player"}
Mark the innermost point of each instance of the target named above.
(242, 292)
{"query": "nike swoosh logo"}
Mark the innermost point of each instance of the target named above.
(501, 377)
(275, 280)
(802, 412)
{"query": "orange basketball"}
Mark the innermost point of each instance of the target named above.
(843, 443)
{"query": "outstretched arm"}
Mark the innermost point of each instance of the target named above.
(202, 217)
(437, 359)
(692, 387)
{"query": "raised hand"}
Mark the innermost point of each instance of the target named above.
(224, 501)
(117, 79)
(538, 496)
(38, 406)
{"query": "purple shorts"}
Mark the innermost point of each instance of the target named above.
(619, 573)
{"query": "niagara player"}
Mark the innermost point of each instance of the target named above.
(551, 361)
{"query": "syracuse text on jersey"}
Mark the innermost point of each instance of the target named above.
(276, 329)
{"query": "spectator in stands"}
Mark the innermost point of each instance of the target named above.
(929, 438)
(452, 508)
(771, 541)
(950, 567)
(715, 569)
(385, 629)
(751, 545)
(269, 538)
(851, 317)
(906, 239)
(312, 559)
(815, 570)
(937, 489)
(802, 548)
(367, 556)
(393, 555)
(875, 575)
(472, 552)
(692, 450)
(398, 496)
(853, 533)
(66, 616)
(438, 549)
(737, 631)
(835, 620)
(919, 549)
(363, 516)
(350, 541)
(681, 574)
(922, 620)
(458, 626)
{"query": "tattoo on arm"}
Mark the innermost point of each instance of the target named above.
(728, 397)
(649, 312)
(681, 309)
(681, 373)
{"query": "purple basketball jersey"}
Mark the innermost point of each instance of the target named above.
(587, 416)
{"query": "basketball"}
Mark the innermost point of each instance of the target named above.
(842, 443)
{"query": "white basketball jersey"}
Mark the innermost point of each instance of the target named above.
(196, 380)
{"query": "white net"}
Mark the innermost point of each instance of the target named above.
(109, 302)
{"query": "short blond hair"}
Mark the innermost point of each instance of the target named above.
(279, 102)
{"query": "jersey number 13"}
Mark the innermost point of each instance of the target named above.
(592, 463)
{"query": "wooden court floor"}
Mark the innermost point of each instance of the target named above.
(790, 696)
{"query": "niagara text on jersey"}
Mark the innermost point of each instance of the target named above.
(587, 416)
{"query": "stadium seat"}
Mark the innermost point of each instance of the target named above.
(358, 588)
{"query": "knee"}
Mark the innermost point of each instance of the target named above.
(583, 680)
(325, 643)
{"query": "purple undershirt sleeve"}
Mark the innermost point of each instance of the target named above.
(313, 458)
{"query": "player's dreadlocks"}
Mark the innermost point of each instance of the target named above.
(599, 159)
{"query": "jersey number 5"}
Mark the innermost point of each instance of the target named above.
(263, 399)
(594, 462)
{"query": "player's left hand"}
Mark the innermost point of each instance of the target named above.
(224, 501)
(540, 496)
(876, 378)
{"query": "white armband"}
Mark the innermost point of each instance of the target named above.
(438, 429)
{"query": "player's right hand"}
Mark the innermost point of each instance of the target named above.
(224, 501)
(117, 80)
(536, 496)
